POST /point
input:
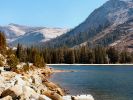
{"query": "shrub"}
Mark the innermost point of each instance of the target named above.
(1, 63)
(12, 61)
(26, 67)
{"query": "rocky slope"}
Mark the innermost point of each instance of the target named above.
(106, 25)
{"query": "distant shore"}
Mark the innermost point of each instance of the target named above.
(89, 64)
(61, 71)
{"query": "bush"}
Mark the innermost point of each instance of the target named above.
(1, 63)
(26, 67)
(39, 61)
(12, 61)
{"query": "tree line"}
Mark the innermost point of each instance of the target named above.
(80, 55)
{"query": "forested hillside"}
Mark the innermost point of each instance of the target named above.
(81, 55)
(110, 24)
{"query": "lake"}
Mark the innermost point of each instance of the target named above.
(103, 82)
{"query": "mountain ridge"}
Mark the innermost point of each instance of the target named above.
(27, 35)
(101, 25)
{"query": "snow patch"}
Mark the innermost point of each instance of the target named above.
(115, 43)
(17, 30)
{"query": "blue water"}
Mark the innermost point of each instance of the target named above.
(103, 82)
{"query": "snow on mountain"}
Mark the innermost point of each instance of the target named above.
(16, 30)
(13, 31)
(38, 36)
(50, 33)
(29, 35)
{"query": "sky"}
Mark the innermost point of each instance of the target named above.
(48, 13)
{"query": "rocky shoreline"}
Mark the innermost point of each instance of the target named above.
(33, 85)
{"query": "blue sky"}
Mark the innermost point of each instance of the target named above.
(49, 13)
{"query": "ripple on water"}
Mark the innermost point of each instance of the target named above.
(103, 82)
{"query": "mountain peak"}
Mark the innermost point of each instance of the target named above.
(12, 24)
(99, 25)
(16, 25)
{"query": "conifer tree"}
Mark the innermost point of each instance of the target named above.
(61, 55)
(71, 56)
(19, 52)
(113, 55)
(100, 55)
(2, 42)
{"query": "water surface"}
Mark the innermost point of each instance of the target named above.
(103, 82)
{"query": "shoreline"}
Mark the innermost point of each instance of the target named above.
(89, 64)
(62, 71)
(34, 83)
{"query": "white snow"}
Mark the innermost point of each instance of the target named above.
(115, 43)
(17, 33)
(50, 33)
(17, 30)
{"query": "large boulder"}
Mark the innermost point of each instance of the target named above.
(68, 97)
(43, 97)
(41, 88)
(29, 93)
(18, 80)
(10, 93)
(52, 95)
(36, 79)
(82, 97)
(59, 91)
(50, 85)
(7, 98)
(14, 92)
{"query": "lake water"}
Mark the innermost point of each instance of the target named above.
(103, 82)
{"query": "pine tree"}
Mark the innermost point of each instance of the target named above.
(71, 57)
(19, 52)
(125, 57)
(113, 55)
(61, 55)
(12, 61)
(2, 42)
(39, 61)
(90, 59)
(100, 55)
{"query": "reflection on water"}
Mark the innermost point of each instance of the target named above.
(103, 82)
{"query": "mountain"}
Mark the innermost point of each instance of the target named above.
(27, 35)
(108, 24)
(39, 36)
